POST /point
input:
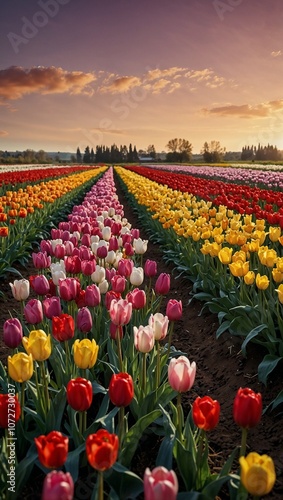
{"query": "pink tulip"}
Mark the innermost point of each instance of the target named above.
(143, 338)
(12, 333)
(69, 288)
(33, 311)
(118, 283)
(162, 285)
(174, 309)
(181, 374)
(84, 320)
(60, 251)
(41, 260)
(85, 240)
(135, 233)
(113, 244)
(46, 247)
(129, 249)
(101, 252)
(116, 228)
(40, 284)
(137, 297)
(109, 296)
(150, 268)
(88, 267)
(159, 325)
(120, 312)
(58, 485)
(51, 307)
(92, 296)
(160, 484)
(125, 267)
(126, 238)
(69, 248)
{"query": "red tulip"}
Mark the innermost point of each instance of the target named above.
(73, 264)
(118, 283)
(63, 327)
(206, 413)
(80, 299)
(52, 449)
(137, 297)
(247, 408)
(10, 410)
(121, 389)
(69, 288)
(125, 267)
(41, 260)
(102, 449)
(92, 296)
(109, 296)
(79, 394)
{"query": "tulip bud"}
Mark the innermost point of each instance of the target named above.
(79, 394)
(121, 389)
(38, 344)
(92, 296)
(84, 320)
(51, 307)
(85, 353)
(120, 312)
(20, 367)
(143, 338)
(150, 268)
(206, 413)
(52, 449)
(137, 276)
(160, 483)
(137, 298)
(63, 327)
(102, 449)
(257, 474)
(33, 312)
(58, 485)
(174, 309)
(159, 324)
(12, 332)
(181, 374)
(162, 285)
(247, 408)
(9, 405)
(40, 285)
(20, 289)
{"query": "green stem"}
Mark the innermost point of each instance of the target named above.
(199, 457)
(81, 419)
(243, 442)
(119, 349)
(22, 400)
(157, 379)
(180, 416)
(121, 416)
(45, 386)
(100, 494)
(144, 372)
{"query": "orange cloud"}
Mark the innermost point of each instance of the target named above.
(15, 82)
(157, 73)
(246, 110)
(276, 53)
(122, 84)
(3, 133)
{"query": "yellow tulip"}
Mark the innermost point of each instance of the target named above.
(249, 278)
(20, 366)
(253, 246)
(239, 268)
(262, 281)
(38, 344)
(225, 255)
(267, 256)
(257, 473)
(274, 233)
(277, 275)
(279, 290)
(85, 353)
(240, 255)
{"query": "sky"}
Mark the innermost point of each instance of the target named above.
(77, 73)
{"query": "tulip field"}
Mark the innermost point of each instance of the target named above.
(92, 368)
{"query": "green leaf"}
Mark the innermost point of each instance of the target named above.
(253, 333)
(124, 482)
(73, 461)
(133, 436)
(276, 402)
(268, 364)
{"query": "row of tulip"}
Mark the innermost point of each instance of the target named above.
(261, 203)
(28, 213)
(11, 178)
(265, 179)
(96, 332)
(234, 260)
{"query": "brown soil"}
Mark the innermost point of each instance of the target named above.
(221, 370)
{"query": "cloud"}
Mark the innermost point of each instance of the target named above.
(3, 133)
(246, 110)
(159, 85)
(15, 81)
(276, 53)
(122, 84)
(155, 74)
(174, 86)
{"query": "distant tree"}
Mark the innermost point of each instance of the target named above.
(73, 158)
(92, 156)
(79, 156)
(180, 150)
(213, 152)
(87, 155)
(151, 151)
(135, 154)
(41, 156)
(130, 157)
